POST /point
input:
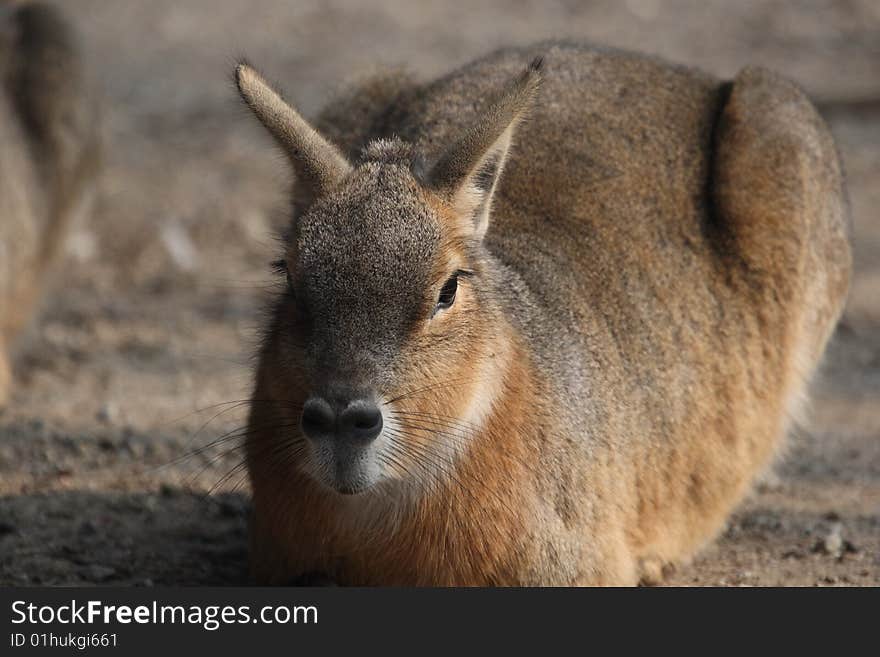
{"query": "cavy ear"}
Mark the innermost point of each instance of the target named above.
(469, 171)
(317, 163)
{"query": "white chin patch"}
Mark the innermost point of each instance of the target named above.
(347, 470)
(451, 439)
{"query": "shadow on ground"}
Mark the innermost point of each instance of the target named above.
(172, 537)
(176, 537)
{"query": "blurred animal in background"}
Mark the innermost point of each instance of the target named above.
(541, 325)
(48, 158)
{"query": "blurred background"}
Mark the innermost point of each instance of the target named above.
(143, 347)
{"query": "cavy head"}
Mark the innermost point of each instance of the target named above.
(381, 353)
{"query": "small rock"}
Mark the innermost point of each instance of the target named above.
(167, 490)
(769, 482)
(106, 444)
(179, 245)
(107, 413)
(228, 509)
(97, 573)
(832, 543)
(88, 528)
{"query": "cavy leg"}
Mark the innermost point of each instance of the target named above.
(653, 571)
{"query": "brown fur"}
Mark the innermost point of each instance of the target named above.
(666, 258)
(48, 163)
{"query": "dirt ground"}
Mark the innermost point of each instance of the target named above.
(142, 354)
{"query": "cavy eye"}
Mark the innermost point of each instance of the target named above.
(447, 294)
(280, 266)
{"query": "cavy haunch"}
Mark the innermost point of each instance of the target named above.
(541, 325)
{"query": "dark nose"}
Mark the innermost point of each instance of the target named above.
(360, 421)
(357, 421)
(318, 418)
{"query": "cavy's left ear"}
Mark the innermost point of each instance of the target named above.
(468, 172)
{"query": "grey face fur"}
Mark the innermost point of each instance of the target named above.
(362, 269)
(360, 264)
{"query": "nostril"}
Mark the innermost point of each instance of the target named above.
(366, 421)
(361, 421)
(318, 418)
